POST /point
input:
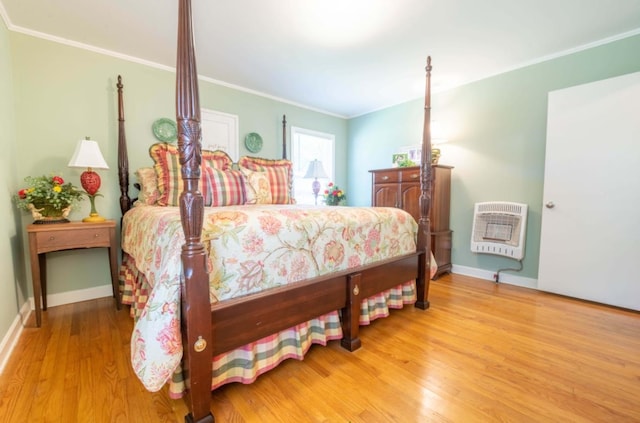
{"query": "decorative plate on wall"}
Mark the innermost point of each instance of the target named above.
(165, 129)
(253, 142)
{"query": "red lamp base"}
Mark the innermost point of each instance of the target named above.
(90, 181)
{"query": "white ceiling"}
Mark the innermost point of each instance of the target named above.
(346, 57)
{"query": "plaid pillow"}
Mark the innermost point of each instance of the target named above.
(280, 173)
(223, 187)
(168, 169)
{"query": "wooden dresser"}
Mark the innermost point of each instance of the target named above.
(400, 187)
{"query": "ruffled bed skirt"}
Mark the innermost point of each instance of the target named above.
(246, 363)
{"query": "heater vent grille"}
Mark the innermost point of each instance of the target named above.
(499, 228)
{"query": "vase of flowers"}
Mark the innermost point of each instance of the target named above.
(333, 195)
(48, 198)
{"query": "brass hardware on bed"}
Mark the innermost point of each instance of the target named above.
(200, 344)
(356, 290)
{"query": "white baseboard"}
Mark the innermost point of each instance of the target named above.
(488, 275)
(76, 296)
(13, 334)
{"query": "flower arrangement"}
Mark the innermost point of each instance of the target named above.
(333, 195)
(47, 196)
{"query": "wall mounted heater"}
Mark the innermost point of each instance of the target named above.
(499, 228)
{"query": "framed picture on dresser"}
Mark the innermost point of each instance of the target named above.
(413, 152)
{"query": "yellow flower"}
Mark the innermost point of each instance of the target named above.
(57, 188)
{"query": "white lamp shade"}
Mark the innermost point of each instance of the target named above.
(315, 170)
(438, 133)
(88, 154)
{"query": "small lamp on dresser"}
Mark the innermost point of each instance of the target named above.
(438, 137)
(88, 155)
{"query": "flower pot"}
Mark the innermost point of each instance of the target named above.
(46, 213)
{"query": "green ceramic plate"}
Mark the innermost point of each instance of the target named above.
(253, 142)
(165, 129)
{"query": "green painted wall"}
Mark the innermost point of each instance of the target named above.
(64, 93)
(13, 282)
(497, 132)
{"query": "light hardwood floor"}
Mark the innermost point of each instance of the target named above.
(482, 353)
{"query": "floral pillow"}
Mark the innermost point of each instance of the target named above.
(168, 169)
(257, 187)
(223, 187)
(148, 181)
(279, 172)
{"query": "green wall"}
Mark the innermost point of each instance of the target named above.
(12, 284)
(497, 132)
(64, 94)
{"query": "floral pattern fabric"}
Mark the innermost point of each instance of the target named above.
(251, 248)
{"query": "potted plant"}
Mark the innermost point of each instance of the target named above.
(333, 195)
(48, 198)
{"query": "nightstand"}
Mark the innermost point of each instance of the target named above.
(68, 236)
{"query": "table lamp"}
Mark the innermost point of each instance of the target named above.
(87, 154)
(435, 150)
(315, 170)
(438, 137)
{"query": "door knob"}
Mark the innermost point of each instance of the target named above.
(550, 205)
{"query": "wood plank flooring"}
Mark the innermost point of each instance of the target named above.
(482, 353)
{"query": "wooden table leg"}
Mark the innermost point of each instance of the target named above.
(113, 264)
(36, 260)
(42, 260)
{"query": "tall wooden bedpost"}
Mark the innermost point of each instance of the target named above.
(123, 159)
(284, 136)
(424, 225)
(196, 309)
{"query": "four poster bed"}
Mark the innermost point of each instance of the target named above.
(227, 277)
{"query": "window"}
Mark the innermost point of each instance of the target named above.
(307, 146)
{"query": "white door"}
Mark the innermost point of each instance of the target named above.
(219, 132)
(590, 237)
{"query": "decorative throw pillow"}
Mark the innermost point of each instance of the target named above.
(168, 169)
(223, 187)
(148, 181)
(279, 172)
(257, 187)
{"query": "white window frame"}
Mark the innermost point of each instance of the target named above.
(301, 156)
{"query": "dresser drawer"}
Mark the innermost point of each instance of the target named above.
(60, 240)
(386, 176)
(410, 175)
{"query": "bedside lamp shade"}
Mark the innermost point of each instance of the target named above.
(88, 155)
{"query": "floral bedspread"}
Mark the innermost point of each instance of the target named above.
(251, 248)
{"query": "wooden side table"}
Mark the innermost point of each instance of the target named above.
(68, 236)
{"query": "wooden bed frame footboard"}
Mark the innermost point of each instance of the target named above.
(208, 330)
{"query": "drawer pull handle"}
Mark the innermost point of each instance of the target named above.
(96, 235)
(51, 238)
(384, 178)
(414, 176)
